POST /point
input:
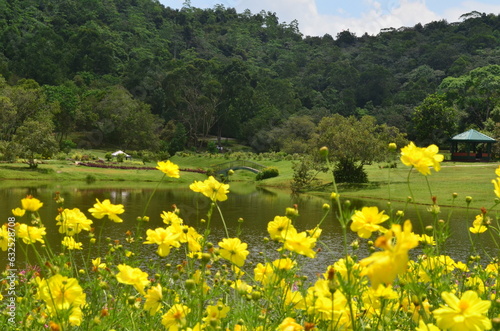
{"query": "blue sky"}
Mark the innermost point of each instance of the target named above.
(318, 17)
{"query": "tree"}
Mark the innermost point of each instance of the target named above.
(435, 120)
(353, 143)
(36, 138)
(477, 93)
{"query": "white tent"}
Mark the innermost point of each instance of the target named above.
(121, 152)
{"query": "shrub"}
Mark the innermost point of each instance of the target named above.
(268, 172)
(347, 171)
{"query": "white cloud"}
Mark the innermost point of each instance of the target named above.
(379, 14)
(453, 14)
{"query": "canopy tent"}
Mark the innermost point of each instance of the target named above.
(115, 154)
(471, 146)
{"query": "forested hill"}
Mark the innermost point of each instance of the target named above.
(110, 65)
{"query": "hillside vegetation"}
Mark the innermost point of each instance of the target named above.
(136, 75)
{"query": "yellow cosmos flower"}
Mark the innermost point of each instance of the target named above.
(63, 296)
(466, 313)
(367, 220)
(164, 238)
(72, 221)
(422, 158)
(284, 264)
(426, 239)
(97, 264)
(153, 300)
(71, 244)
(426, 327)
(497, 171)
(168, 168)
(211, 188)
(242, 287)
(4, 238)
(18, 212)
(383, 267)
(175, 317)
(496, 183)
(31, 204)
(30, 234)
(234, 250)
(326, 306)
(300, 243)
(289, 324)
(106, 208)
(478, 225)
(279, 227)
(216, 312)
(132, 276)
(170, 218)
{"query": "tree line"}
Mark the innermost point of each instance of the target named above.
(135, 74)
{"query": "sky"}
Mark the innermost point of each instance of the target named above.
(320, 17)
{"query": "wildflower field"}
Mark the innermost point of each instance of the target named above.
(198, 284)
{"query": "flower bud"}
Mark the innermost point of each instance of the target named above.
(392, 146)
(323, 151)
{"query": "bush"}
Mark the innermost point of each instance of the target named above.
(67, 145)
(268, 172)
(347, 171)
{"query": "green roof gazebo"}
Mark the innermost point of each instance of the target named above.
(471, 146)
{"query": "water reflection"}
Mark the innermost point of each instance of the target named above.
(257, 206)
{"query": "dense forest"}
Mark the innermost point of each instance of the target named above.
(135, 74)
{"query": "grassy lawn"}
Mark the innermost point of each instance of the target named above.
(465, 179)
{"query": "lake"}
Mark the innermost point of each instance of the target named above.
(257, 206)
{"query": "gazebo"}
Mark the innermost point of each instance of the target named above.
(471, 146)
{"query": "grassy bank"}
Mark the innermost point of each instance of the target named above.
(465, 179)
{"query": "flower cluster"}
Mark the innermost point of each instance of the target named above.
(193, 284)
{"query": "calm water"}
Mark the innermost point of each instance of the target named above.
(256, 206)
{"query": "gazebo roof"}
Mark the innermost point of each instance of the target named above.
(473, 136)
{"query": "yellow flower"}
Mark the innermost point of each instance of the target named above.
(170, 218)
(497, 171)
(429, 240)
(284, 264)
(71, 244)
(72, 221)
(211, 188)
(300, 243)
(216, 312)
(289, 324)
(164, 238)
(496, 183)
(4, 238)
(426, 327)
(367, 220)
(31, 204)
(106, 208)
(97, 264)
(383, 267)
(234, 250)
(18, 212)
(168, 168)
(62, 294)
(279, 227)
(30, 234)
(324, 304)
(153, 300)
(132, 276)
(478, 225)
(466, 313)
(175, 317)
(422, 158)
